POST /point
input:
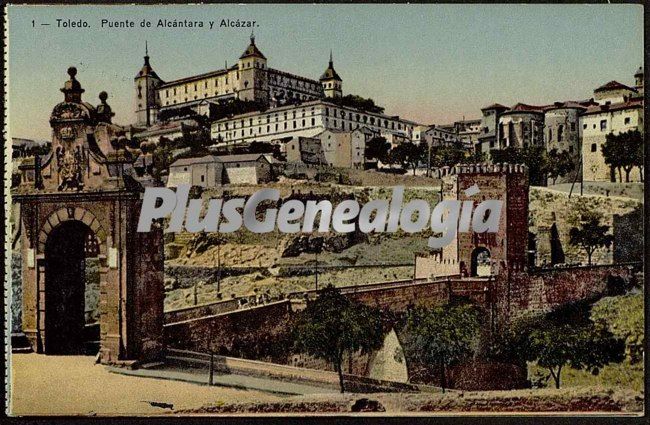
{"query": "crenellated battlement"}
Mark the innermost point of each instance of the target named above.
(481, 168)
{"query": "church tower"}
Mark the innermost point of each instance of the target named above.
(147, 101)
(253, 80)
(332, 83)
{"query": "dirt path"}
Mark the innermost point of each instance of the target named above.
(74, 385)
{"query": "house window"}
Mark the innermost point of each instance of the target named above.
(627, 120)
(313, 121)
(594, 147)
(584, 126)
(603, 125)
(202, 178)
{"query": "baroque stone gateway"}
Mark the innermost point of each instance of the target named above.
(78, 202)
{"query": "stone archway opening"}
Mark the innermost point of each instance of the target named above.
(71, 290)
(481, 262)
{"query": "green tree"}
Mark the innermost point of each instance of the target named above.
(447, 156)
(408, 155)
(442, 336)
(623, 151)
(534, 157)
(162, 156)
(590, 235)
(377, 148)
(558, 164)
(332, 325)
(197, 139)
(357, 102)
(475, 157)
(588, 346)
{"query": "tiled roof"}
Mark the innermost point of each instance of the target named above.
(246, 157)
(630, 104)
(522, 107)
(252, 50)
(613, 85)
(330, 73)
(194, 160)
(575, 104)
(495, 106)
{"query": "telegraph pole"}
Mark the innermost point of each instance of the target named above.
(218, 268)
(316, 270)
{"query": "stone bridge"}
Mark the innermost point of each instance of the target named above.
(260, 332)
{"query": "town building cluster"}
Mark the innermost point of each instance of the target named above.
(302, 116)
(308, 123)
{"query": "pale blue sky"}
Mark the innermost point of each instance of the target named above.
(428, 63)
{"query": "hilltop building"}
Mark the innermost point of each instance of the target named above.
(468, 131)
(308, 119)
(521, 126)
(487, 139)
(214, 171)
(341, 149)
(249, 78)
(561, 121)
(618, 109)
(579, 127)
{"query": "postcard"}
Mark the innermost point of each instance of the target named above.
(324, 210)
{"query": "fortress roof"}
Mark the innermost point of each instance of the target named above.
(330, 73)
(252, 50)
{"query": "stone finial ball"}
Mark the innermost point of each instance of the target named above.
(103, 96)
(72, 71)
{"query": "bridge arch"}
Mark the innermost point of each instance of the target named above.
(481, 262)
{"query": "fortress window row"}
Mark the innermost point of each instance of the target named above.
(279, 124)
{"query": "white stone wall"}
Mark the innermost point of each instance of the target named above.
(179, 175)
(244, 174)
(593, 133)
(306, 120)
(214, 86)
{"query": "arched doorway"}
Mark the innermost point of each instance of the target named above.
(481, 264)
(71, 307)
